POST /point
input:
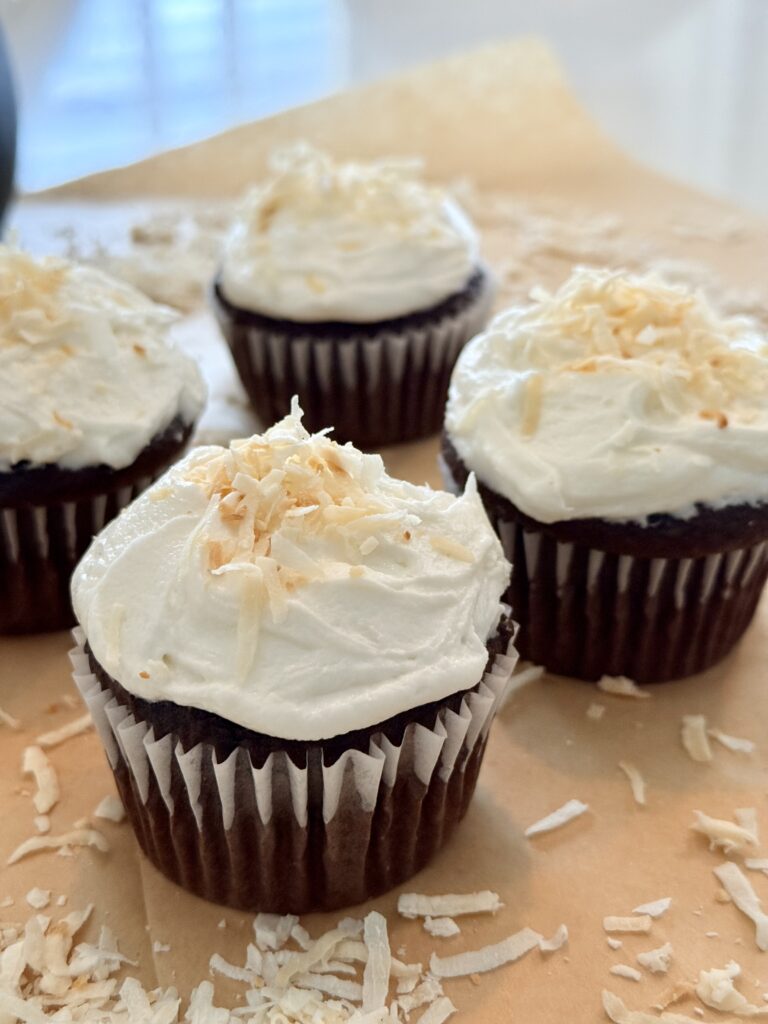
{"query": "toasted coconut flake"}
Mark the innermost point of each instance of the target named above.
(77, 837)
(441, 927)
(379, 964)
(9, 720)
(625, 971)
(734, 743)
(723, 834)
(715, 988)
(66, 732)
(478, 961)
(558, 940)
(656, 908)
(695, 739)
(595, 711)
(438, 1012)
(621, 686)
(657, 961)
(35, 763)
(111, 809)
(745, 898)
(411, 904)
(636, 781)
(570, 810)
(636, 923)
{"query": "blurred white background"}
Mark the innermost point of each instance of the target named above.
(681, 84)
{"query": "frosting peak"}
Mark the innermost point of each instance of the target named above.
(356, 242)
(87, 373)
(617, 396)
(288, 584)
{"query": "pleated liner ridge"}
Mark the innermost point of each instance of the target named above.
(585, 611)
(375, 384)
(48, 517)
(278, 832)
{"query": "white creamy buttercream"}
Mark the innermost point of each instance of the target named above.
(616, 397)
(290, 585)
(87, 374)
(352, 242)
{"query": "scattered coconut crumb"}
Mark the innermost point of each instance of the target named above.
(614, 943)
(741, 746)
(636, 781)
(570, 810)
(66, 732)
(656, 908)
(441, 927)
(716, 990)
(657, 961)
(745, 898)
(62, 900)
(9, 720)
(620, 686)
(625, 971)
(6, 901)
(411, 905)
(111, 809)
(638, 923)
(726, 835)
(78, 837)
(488, 958)
(160, 947)
(558, 940)
(38, 899)
(695, 739)
(35, 762)
(595, 712)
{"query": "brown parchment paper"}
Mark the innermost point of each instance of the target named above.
(504, 116)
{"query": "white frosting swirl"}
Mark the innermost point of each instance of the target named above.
(352, 242)
(617, 397)
(289, 585)
(87, 374)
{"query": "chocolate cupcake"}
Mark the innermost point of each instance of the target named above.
(94, 404)
(354, 286)
(619, 432)
(293, 661)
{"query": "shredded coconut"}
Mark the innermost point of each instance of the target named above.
(614, 943)
(412, 905)
(695, 739)
(595, 711)
(66, 732)
(78, 837)
(619, 1014)
(657, 961)
(379, 965)
(35, 763)
(441, 927)
(625, 971)
(111, 809)
(741, 746)
(638, 923)
(724, 834)
(38, 898)
(715, 988)
(9, 720)
(478, 961)
(745, 898)
(558, 940)
(620, 686)
(655, 908)
(636, 781)
(570, 810)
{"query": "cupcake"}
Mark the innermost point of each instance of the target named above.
(618, 429)
(293, 661)
(94, 404)
(355, 287)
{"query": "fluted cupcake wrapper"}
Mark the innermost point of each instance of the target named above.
(374, 387)
(288, 838)
(40, 545)
(587, 613)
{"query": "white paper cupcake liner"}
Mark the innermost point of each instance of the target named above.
(198, 818)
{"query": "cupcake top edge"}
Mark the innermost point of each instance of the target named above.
(289, 585)
(88, 375)
(353, 242)
(618, 396)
